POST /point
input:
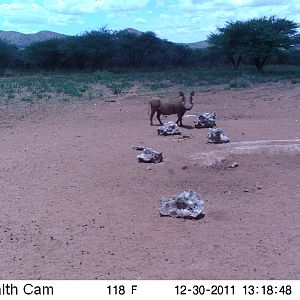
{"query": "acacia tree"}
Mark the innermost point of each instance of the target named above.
(257, 39)
(134, 48)
(98, 46)
(229, 41)
(7, 54)
(44, 55)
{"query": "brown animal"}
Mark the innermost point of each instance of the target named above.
(169, 107)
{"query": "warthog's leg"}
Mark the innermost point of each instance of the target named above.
(158, 117)
(179, 121)
(153, 110)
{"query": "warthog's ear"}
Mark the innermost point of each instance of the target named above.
(181, 94)
(192, 93)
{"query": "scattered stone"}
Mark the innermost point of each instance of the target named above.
(234, 165)
(184, 167)
(149, 168)
(169, 128)
(185, 205)
(140, 148)
(206, 120)
(150, 156)
(182, 138)
(216, 136)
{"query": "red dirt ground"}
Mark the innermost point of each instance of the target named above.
(76, 204)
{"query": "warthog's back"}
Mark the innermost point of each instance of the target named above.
(169, 106)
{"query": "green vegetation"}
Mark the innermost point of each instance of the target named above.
(86, 86)
(251, 42)
(7, 55)
(256, 39)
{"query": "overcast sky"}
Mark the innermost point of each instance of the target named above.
(176, 20)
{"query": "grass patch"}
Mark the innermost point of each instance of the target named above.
(240, 82)
(116, 89)
(27, 99)
(11, 96)
(157, 85)
(74, 84)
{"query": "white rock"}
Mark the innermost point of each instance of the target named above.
(150, 156)
(206, 120)
(169, 128)
(216, 136)
(185, 205)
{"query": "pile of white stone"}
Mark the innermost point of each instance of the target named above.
(169, 128)
(217, 136)
(206, 120)
(187, 205)
(150, 156)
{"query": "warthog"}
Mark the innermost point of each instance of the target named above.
(170, 107)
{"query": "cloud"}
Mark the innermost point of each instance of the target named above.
(79, 7)
(140, 21)
(165, 17)
(257, 3)
(160, 3)
(180, 20)
(20, 12)
(198, 1)
(72, 7)
(116, 15)
(120, 5)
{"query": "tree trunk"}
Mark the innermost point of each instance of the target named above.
(259, 62)
(235, 63)
(238, 61)
(230, 57)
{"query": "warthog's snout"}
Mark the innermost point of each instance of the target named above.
(188, 104)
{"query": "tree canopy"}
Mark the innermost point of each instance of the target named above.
(253, 41)
(257, 39)
(7, 54)
(104, 48)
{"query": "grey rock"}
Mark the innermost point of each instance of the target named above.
(234, 165)
(140, 148)
(216, 136)
(185, 205)
(169, 128)
(150, 156)
(206, 120)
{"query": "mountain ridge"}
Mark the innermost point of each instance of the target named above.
(23, 40)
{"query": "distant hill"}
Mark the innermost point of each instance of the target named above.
(22, 40)
(197, 45)
(132, 30)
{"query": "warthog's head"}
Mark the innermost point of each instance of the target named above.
(187, 102)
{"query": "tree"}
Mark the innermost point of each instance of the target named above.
(44, 55)
(257, 39)
(72, 53)
(7, 54)
(229, 41)
(98, 47)
(134, 49)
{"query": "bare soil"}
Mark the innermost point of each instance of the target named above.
(76, 204)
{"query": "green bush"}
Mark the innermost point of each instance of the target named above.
(240, 83)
